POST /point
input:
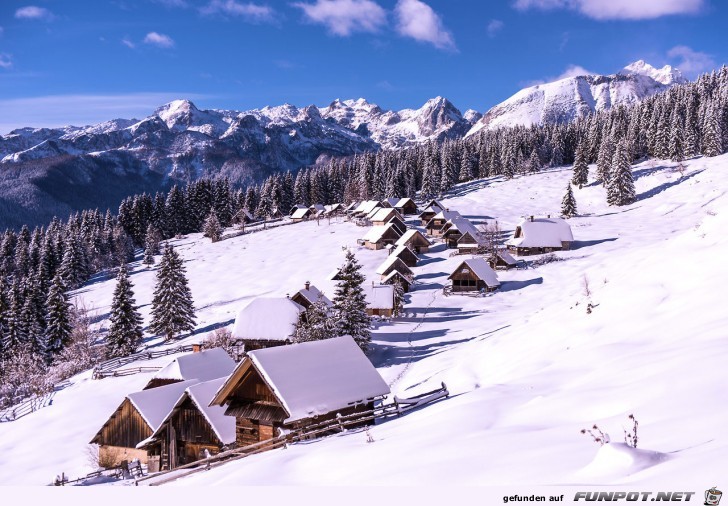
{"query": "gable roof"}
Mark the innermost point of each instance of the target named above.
(542, 233)
(154, 404)
(506, 257)
(202, 366)
(367, 206)
(317, 207)
(391, 277)
(312, 294)
(319, 377)
(447, 214)
(268, 318)
(435, 203)
(390, 262)
(403, 249)
(301, 212)
(200, 394)
(391, 201)
(404, 201)
(383, 213)
(481, 269)
(409, 235)
(374, 211)
(379, 296)
(376, 233)
(463, 225)
(352, 206)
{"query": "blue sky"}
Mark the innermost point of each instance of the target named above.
(79, 62)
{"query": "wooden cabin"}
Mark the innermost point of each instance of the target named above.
(384, 215)
(405, 254)
(200, 365)
(380, 299)
(435, 225)
(470, 242)
(426, 215)
(396, 277)
(275, 214)
(406, 206)
(136, 419)
(502, 260)
(333, 210)
(435, 204)
(308, 295)
(294, 386)
(398, 223)
(390, 202)
(335, 275)
(540, 235)
(416, 241)
(191, 428)
(454, 229)
(267, 322)
(295, 208)
(474, 275)
(394, 263)
(301, 215)
(243, 217)
(380, 236)
(349, 210)
(365, 208)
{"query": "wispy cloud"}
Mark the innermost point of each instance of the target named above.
(494, 26)
(617, 9)
(417, 20)
(159, 40)
(344, 17)
(181, 4)
(690, 62)
(1, 30)
(128, 43)
(385, 85)
(33, 12)
(62, 110)
(285, 64)
(6, 61)
(249, 11)
(571, 71)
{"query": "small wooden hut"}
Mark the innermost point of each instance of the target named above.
(395, 277)
(200, 365)
(384, 215)
(380, 236)
(435, 225)
(308, 295)
(415, 240)
(394, 263)
(540, 235)
(406, 206)
(267, 322)
(474, 275)
(502, 260)
(454, 229)
(294, 386)
(405, 254)
(380, 299)
(302, 214)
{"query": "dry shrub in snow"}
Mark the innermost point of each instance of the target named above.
(631, 437)
(597, 435)
(220, 338)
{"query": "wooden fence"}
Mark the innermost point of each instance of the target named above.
(26, 407)
(102, 370)
(398, 407)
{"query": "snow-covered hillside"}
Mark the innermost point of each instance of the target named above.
(527, 366)
(573, 97)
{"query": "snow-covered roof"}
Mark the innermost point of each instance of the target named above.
(154, 404)
(469, 239)
(301, 212)
(394, 274)
(332, 207)
(367, 206)
(446, 214)
(379, 296)
(392, 201)
(542, 233)
(409, 235)
(317, 207)
(318, 377)
(374, 211)
(384, 213)
(334, 274)
(389, 262)
(481, 269)
(202, 366)
(398, 250)
(268, 318)
(403, 201)
(463, 225)
(506, 257)
(431, 210)
(435, 204)
(244, 212)
(312, 294)
(352, 206)
(376, 233)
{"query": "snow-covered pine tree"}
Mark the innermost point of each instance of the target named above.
(467, 166)
(604, 160)
(621, 190)
(58, 317)
(350, 303)
(712, 134)
(172, 306)
(212, 228)
(151, 244)
(568, 203)
(125, 330)
(581, 168)
(318, 323)
(398, 298)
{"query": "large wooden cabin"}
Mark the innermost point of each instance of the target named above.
(294, 386)
(474, 275)
(416, 241)
(540, 235)
(198, 365)
(380, 236)
(267, 322)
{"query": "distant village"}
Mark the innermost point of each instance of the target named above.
(207, 404)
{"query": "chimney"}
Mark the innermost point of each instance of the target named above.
(548, 216)
(307, 284)
(288, 296)
(531, 218)
(196, 348)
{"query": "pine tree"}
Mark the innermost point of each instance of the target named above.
(581, 168)
(212, 228)
(172, 305)
(58, 317)
(350, 303)
(125, 330)
(151, 244)
(568, 204)
(318, 323)
(621, 190)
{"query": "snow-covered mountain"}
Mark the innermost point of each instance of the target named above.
(577, 96)
(44, 172)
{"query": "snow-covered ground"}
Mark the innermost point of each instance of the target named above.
(526, 366)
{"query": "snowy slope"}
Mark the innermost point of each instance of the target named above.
(527, 367)
(573, 97)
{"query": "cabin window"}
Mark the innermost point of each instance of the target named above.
(465, 271)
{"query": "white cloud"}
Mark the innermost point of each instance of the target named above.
(571, 71)
(1, 30)
(33, 12)
(344, 17)
(494, 26)
(691, 63)
(159, 39)
(417, 20)
(250, 11)
(5, 61)
(617, 9)
(182, 4)
(62, 110)
(128, 43)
